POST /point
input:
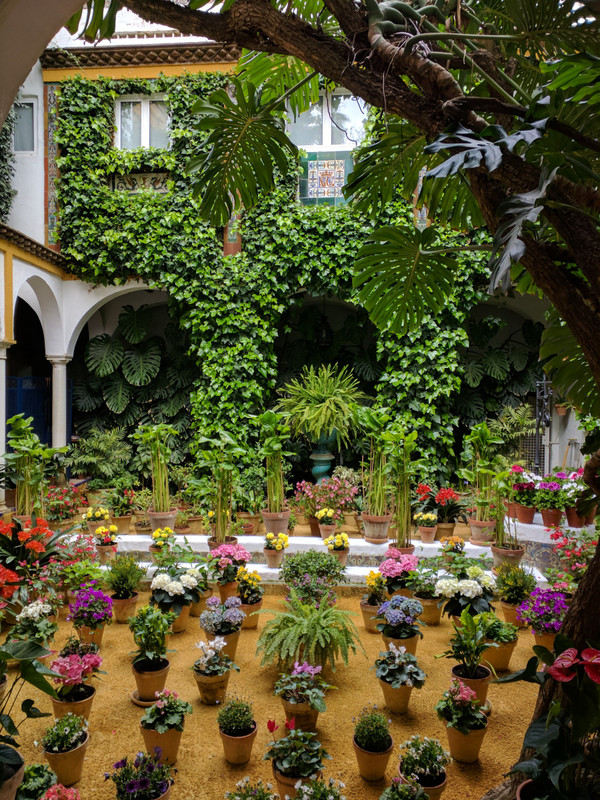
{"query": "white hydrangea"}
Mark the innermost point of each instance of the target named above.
(469, 588)
(474, 573)
(174, 587)
(189, 581)
(160, 581)
(193, 572)
(487, 581)
(446, 587)
(36, 611)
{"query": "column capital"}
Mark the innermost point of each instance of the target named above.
(57, 361)
(4, 345)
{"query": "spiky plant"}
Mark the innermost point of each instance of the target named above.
(302, 632)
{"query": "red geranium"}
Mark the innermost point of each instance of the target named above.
(563, 669)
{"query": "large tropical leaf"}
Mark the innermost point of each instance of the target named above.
(496, 364)
(400, 280)
(142, 363)
(103, 355)
(87, 393)
(281, 73)
(134, 323)
(116, 392)
(247, 142)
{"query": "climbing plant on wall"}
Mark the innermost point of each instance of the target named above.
(7, 169)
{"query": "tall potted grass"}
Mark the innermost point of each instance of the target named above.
(274, 432)
(400, 446)
(221, 455)
(153, 439)
(377, 513)
(481, 447)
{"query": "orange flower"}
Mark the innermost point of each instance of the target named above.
(24, 536)
(38, 547)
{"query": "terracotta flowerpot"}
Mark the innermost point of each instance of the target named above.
(162, 519)
(286, 784)
(91, 635)
(92, 524)
(168, 742)
(249, 519)
(326, 531)
(465, 747)
(9, 787)
(551, 517)
(68, 766)
(432, 614)
(179, 624)
(305, 716)
(276, 522)
(573, 518)
(372, 766)
(197, 608)
(479, 685)
(434, 791)
(227, 590)
(410, 643)
(196, 526)
(148, 680)
(231, 640)
(499, 657)
(406, 551)
(511, 614)
(545, 640)
(123, 523)
(525, 791)
(341, 555)
(214, 543)
(376, 528)
(124, 608)
(525, 514)
(396, 700)
(368, 614)
(314, 526)
(510, 509)
(251, 621)
(481, 530)
(106, 552)
(238, 749)
(427, 534)
(274, 558)
(591, 516)
(502, 555)
(80, 708)
(444, 530)
(155, 550)
(212, 688)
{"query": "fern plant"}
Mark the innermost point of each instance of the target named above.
(304, 633)
(102, 455)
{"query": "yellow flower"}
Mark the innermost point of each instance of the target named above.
(211, 514)
(270, 536)
(97, 514)
(113, 529)
(278, 547)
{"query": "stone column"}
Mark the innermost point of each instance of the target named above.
(3, 348)
(59, 399)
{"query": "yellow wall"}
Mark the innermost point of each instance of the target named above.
(55, 75)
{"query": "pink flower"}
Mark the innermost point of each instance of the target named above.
(563, 669)
(591, 663)
(516, 468)
(272, 726)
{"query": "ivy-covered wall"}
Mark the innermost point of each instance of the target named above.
(7, 167)
(231, 307)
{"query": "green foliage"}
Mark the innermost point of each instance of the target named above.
(372, 730)
(298, 755)
(123, 576)
(312, 562)
(38, 778)
(7, 166)
(236, 718)
(318, 635)
(102, 455)
(150, 627)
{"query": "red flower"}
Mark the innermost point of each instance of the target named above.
(563, 669)
(591, 665)
(444, 495)
(272, 726)
(290, 724)
(36, 546)
(24, 536)
(423, 490)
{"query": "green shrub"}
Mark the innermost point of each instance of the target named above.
(372, 730)
(123, 576)
(236, 718)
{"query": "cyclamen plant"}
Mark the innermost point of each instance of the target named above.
(460, 709)
(225, 561)
(396, 568)
(399, 668)
(212, 659)
(76, 664)
(304, 685)
(299, 754)
(544, 610)
(399, 617)
(92, 608)
(222, 619)
(167, 713)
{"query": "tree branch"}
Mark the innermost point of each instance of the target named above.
(349, 17)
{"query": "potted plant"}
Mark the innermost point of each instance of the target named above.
(248, 790)
(174, 589)
(467, 646)
(574, 551)
(319, 635)
(426, 523)
(221, 455)
(102, 457)
(223, 620)
(513, 585)
(248, 495)
(551, 500)
(319, 789)
(305, 503)
(403, 468)
(421, 582)
(238, 730)
(33, 624)
(396, 570)
(90, 613)
(339, 546)
(150, 627)
(105, 539)
(465, 723)
(328, 519)
(398, 673)
(445, 503)
(423, 761)
(274, 547)
(544, 610)
(452, 546)
(504, 636)
(376, 516)
(121, 502)
(162, 725)
(60, 792)
(79, 574)
(274, 433)
(302, 693)
(295, 758)
(376, 594)
(523, 494)
(146, 769)
(506, 548)
(123, 578)
(162, 539)
(480, 448)
(153, 440)
(372, 743)
(37, 780)
(211, 671)
(398, 790)
(399, 622)
(60, 506)
(473, 593)
(313, 575)
(76, 664)
(64, 745)
(223, 567)
(250, 593)
(94, 517)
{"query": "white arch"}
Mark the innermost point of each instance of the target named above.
(39, 294)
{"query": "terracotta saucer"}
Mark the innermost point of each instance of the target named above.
(135, 698)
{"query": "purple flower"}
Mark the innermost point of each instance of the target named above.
(213, 602)
(120, 764)
(131, 787)
(233, 602)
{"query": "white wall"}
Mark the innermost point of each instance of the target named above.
(27, 213)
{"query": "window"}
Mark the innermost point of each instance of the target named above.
(24, 131)
(142, 122)
(334, 121)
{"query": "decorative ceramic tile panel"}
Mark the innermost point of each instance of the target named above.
(326, 178)
(140, 182)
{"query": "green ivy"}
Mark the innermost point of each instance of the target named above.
(7, 166)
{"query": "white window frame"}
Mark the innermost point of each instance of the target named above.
(32, 101)
(327, 125)
(145, 100)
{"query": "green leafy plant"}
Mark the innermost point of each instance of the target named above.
(102, 454)
(460, 709)
(468, 644)
(496, 630)
(303, 684)
(168, 713)
(154, 438)
(399, 668)
(372, 730)
(313, 576)
(377, 485)
(37, 779)
(480, 451)
(320, 635)
(81, 573)
(123, 576)
(236, 718)
(150, 627)
(403, 791)
(66, 734)
(513, 583)
(221, 455)
(299, 754)
(274, 433)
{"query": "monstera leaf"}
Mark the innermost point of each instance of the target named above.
(103, 355)
(134, 323)
(142, 363)
(116, 392)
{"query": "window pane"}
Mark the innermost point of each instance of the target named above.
(307, 129)
(131, 125)
(24, 138)
(347, 120)
(159, 125)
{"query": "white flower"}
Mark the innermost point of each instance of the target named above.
(188, 581)
(174, 587)
(469, 588)
(446, 587)
(487, 581)
(474, 572)
(160, 581)
(35, 611)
